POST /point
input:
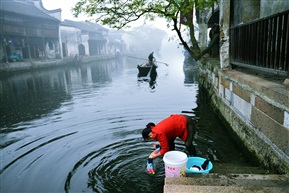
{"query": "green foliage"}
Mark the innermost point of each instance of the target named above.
(121, 13)
(202, 4)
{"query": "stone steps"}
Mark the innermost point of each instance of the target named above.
(233, 169)
(214, 182)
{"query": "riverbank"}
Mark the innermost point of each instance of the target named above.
(35, 64)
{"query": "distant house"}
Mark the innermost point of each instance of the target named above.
(116, 43)
(83, 38)
(27, 29)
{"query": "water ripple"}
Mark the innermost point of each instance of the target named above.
(118, 168)
(33, 149)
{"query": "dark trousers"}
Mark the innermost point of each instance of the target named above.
(189, 141)
(172, 144)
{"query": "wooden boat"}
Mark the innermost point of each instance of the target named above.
(148, 73)
(147, 69)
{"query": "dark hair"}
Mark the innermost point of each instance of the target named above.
(147, 130)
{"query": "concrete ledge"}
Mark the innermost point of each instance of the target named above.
(232, 180)
(227, 189)
(228, 183)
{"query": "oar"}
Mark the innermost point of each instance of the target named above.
(147, 59)
(163, 63)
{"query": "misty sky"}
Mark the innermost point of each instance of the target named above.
(66, 6)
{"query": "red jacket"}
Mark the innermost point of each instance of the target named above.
(170, 128)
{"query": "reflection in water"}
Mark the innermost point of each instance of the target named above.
(31, 96)
(78, 128)
(153, 77)
(150, 77)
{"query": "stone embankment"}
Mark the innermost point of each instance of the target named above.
(35, 64)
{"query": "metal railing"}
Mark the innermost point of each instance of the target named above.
(262, 44)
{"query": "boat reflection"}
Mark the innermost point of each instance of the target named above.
(148, 75)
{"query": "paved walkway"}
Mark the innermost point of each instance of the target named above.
(237, 183)
(227, 178)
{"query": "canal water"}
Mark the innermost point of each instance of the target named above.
(78, 128)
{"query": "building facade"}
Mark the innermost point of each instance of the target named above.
(27, 31)
(30, 32)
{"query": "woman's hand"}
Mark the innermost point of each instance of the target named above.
(155, 155)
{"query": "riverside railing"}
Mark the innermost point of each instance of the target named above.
(262, 44)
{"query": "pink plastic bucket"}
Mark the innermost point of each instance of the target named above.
(175, 164)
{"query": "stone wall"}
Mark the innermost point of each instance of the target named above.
(257, 110)
(247, 10)
(269, 7)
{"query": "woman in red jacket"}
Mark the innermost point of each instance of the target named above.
(168, 130)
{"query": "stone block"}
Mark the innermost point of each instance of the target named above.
(225, 82)
(242, 106)
(274, 131)
(244, 94)
(286, 119)
(270, 110)
(286, 83)
(228, 95)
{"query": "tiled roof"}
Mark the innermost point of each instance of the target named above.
(77, 24)
(23, 8)
(86, 26)
(97, 26)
